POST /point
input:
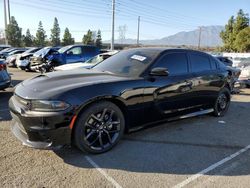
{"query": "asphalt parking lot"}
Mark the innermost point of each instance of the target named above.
(198, 152)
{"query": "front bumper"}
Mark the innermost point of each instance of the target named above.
(40, 129)
(22, 63)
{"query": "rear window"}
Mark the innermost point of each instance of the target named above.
(199, 62)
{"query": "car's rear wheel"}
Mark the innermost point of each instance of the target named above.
(222, 103)
(99, 127)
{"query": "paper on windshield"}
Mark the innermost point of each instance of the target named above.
(138, 57)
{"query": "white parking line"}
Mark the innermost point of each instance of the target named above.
(109, 178)
(3, 110)
(212, 167)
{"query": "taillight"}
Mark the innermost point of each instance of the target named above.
(2, 67)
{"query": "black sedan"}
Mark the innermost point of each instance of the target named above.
(93, 108)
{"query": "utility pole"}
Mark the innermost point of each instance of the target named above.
(199, 43)
(8, 5)
(113, 26)
(138, 31)
(5, 21)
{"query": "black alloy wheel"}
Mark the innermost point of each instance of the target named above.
(222, 103)
(99, 127)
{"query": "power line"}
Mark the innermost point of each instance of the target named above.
(165, 11)
(151, 15)
(56, 10)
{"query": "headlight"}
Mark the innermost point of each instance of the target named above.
(49, 106)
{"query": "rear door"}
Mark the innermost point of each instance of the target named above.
(89, 52)
(207, 80)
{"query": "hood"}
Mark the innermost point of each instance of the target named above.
(50, 85)
(26, 54)
(74, 66)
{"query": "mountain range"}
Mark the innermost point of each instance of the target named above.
(210, 37)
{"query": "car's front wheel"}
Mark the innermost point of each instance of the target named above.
(99, 127)
(222, 103)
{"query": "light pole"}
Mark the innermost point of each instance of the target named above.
(113, 26)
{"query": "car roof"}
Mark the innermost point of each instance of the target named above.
(166, 49)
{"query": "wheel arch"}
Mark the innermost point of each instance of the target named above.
(116, 100)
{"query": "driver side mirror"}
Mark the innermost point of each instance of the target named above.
(159, 71)
(69, 53)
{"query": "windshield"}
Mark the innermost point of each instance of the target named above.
(128, 62)
(15, 52)
(31, 50)
(95, 60)
(64, 49)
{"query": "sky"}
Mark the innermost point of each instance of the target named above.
(159, 18)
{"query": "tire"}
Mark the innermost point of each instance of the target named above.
(222, 103)
(99, 127)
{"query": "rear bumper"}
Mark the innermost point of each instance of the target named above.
(40, 129)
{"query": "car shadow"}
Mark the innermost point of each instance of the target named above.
(180, 147)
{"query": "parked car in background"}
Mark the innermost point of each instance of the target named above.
(89, 63)
(13, 52)
(5, 79)
(66, 55)
(94, 107)
(245, 76)
(22, 60)
(41, 56)
(225, 60)
(245, 62)
(4, 46)
(5, 52)
(234, 74)
(11, 58)
(75, 53)
(237, 61)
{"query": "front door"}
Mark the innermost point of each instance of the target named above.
(74, 55)
(173, 93)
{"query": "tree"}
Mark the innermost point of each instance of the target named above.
(55, 33)
(14, 33)
(227, 35)
(242, 41)
(232, 29)
(28, 39)
(87, 39)
(40, 35)
(98, 41)
(67, 38)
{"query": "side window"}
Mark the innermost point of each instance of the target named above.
(75, 51)
(89, 50)
(176, 63)
(213, 63)
(199, 62)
